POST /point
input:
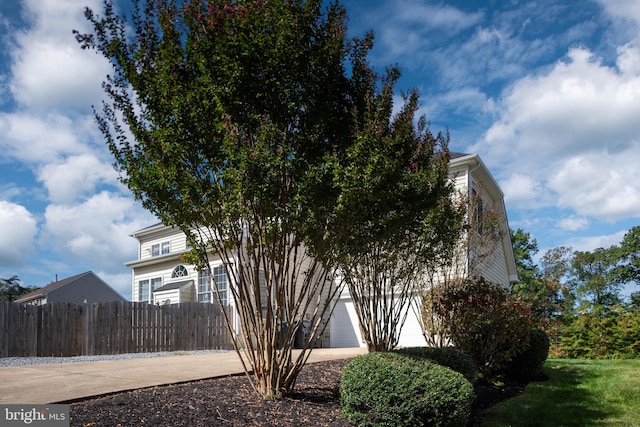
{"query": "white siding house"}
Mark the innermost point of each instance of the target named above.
(159, 276)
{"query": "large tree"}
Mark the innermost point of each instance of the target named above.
(525, 247)
(628, 254)
(241, 124)
(592, 280)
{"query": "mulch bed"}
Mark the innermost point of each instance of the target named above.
(230, 401)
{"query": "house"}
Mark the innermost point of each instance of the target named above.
(79, 289)
(159, 275)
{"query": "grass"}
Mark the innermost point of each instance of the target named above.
(578, 393)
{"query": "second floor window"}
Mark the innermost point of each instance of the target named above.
(160, 248)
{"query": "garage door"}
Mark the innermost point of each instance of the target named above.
(344, 326)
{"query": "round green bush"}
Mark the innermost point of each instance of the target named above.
(450, 357)
(392, 389)
(526, 365)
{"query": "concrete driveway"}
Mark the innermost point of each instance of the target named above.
(64, 382)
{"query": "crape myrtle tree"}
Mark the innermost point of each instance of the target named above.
(385, 255)
(238, 123)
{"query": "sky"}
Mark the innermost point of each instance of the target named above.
(547, 92)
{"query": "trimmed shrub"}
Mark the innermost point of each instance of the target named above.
(528, 364)
(392, 389)
(449, 357)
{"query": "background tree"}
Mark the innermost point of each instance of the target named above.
(228, 121)
(530, 286)
(555, 265)
(627, 269)
(592, 280)
(11, 289)
(525, 248)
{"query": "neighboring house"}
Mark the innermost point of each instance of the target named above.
(161, 277)
(85, 288)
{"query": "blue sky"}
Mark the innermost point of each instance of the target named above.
(547, 92)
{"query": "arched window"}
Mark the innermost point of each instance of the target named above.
(179, 271)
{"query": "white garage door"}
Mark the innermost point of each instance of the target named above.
(346, 333)
(344, 326)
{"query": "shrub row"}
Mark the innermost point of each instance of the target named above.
(395, 389)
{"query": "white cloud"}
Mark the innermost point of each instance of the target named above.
(19, 229)
(521, 191)
(608, 190)
(575, 133)
(36, 139)
(428, 16)
(97, 231)
(591, 243)
(74, 177)
(573, 223)
(49, 69)
(626, 9)
(404, 29)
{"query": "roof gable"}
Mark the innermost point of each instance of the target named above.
(43, 291)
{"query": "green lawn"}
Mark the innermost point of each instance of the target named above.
(578, 393)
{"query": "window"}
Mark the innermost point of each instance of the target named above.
(221, 281)
(204, 286)
(179, 271)
(160, 248)
(143, 291)
(146, 288)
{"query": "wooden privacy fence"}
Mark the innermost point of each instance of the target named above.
(64, 329)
